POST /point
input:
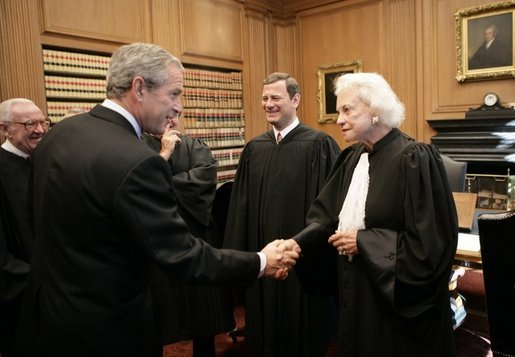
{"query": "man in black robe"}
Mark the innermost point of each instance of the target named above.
(23, 125)
(276, 181)
(191, 312)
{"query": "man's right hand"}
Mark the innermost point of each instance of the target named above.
(281, 256)
(169, 139)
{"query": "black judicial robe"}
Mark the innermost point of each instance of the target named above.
(16, 235)
(393, 296)
(274, 187)
(16, 239)
(189, 311)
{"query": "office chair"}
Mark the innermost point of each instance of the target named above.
(456, 173)
(497, 239)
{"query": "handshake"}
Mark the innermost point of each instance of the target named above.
(281, 256)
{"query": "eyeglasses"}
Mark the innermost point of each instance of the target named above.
(32, 124)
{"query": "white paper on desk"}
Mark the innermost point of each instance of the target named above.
(468, 242)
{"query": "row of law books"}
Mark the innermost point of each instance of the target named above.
(70, 87)
(72, 62)
(226, 157)
(225, 175)
(56, 110)
(212, 79)
(211, 98)
(212, 117)
(219, 137)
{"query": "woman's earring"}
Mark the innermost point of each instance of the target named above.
(375, 120)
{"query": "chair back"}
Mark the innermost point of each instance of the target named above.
(497, 239)
(456, 173)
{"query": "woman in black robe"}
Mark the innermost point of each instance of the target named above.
(388, 210)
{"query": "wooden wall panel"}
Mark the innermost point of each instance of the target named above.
(166, 28)
(255, 70)
(411, 42)
(123, 21)
(401, 62)
(337, 33)
(446, 97)
(21, 59)
(212, 29)
(285, 51)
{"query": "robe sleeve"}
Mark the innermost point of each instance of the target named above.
(325, 153)
(195, 187)
(410, 267)
(237, 217)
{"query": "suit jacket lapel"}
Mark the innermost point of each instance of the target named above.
(110, 115)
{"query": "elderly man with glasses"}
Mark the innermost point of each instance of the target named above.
(23, 125)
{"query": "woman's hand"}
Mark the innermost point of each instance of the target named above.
(345, 242)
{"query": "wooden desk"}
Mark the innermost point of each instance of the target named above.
(468, 259)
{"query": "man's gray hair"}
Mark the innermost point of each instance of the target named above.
(6, 108)
(146, 60)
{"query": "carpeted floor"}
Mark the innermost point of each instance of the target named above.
(468, 343)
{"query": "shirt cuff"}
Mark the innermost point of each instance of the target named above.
(262, 266)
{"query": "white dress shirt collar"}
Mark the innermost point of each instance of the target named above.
(8, 146)
(286, 130)
(119, 109)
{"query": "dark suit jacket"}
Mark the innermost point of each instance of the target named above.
(104, 210)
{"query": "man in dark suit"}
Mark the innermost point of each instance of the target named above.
(105, 210)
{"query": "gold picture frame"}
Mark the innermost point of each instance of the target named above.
(474, 27)
(326, 77)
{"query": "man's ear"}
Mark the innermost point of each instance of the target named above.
(296, 100)
(4, 129)
(138, 83)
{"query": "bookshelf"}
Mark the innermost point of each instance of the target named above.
(213, 111)
(212, 100)
(73, 79)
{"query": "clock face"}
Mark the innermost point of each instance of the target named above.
(490, 99)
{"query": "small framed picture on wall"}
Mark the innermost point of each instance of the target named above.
(327, 74)
(485, 42)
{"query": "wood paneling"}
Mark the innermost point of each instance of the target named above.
(123, 21)
(166, 29)
(255, 70)
(212, 29)
(410, 42)
(446, 97)
(21, 60)
(337, 33)
(400, 63)
(284, 49)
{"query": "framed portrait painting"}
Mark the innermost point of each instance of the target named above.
(327, 74)
(485, 42)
